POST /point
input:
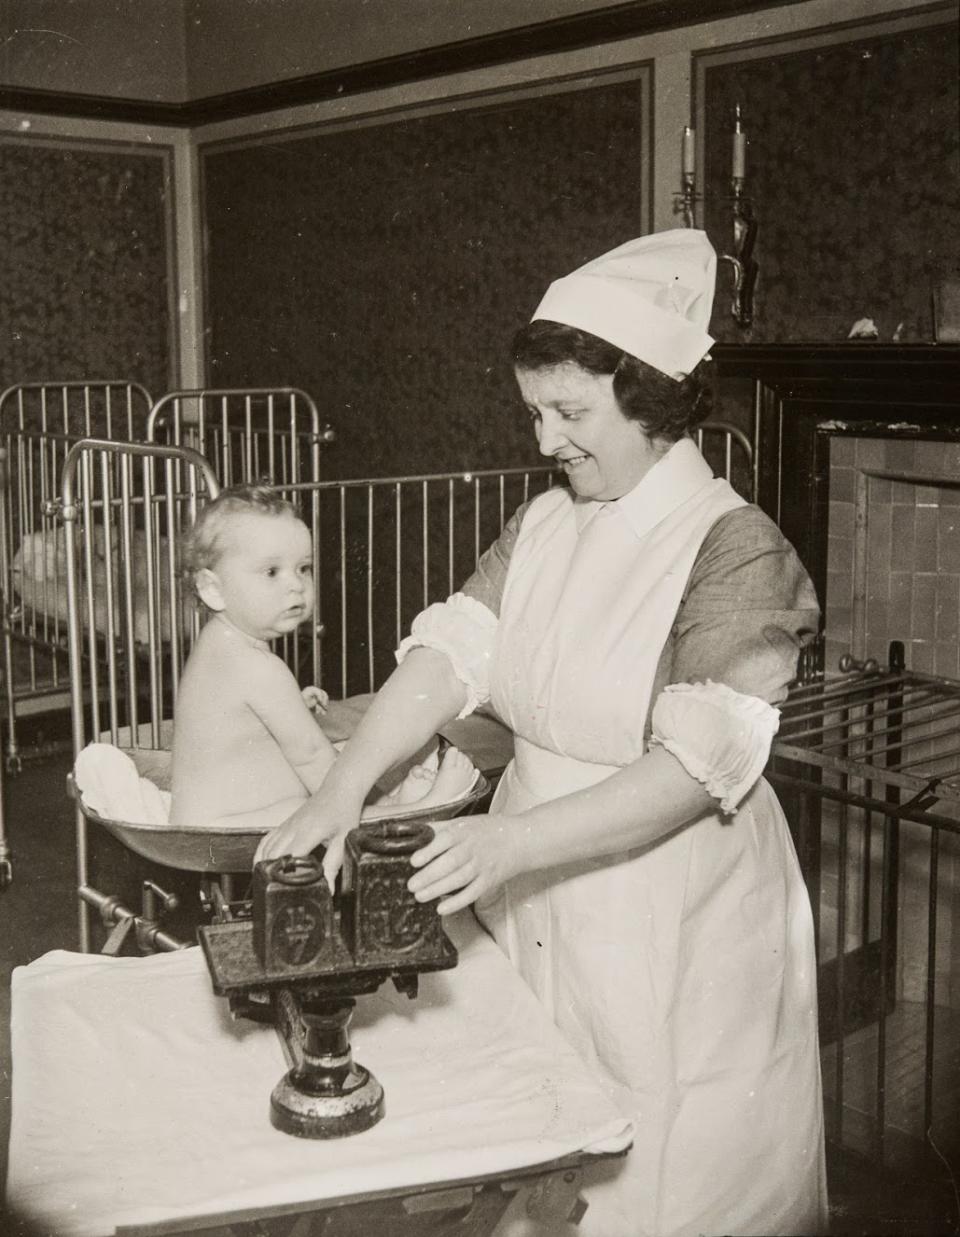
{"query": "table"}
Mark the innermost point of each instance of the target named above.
(139, 1106)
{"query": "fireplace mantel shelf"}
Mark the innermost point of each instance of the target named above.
(846, 361)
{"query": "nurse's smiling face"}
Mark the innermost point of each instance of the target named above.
(578, 422)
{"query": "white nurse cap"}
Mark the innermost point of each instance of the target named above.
(651, 297)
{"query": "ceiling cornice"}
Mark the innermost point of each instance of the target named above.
(619, 21)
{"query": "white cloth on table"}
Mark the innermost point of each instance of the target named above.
(137, 1100)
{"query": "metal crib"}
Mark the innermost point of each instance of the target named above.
(124, 507)
(867, 765)
(38, 423)
(246, 434)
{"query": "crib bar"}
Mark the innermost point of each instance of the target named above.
(930, 1006)
(343, 589)
(318, 625)
(175, 659)
(397, 562)
(451, 521)
(152, 548)
(370, 634)
(87, 597)
(476, 524)
(127, 559)
(109, 594)
(425, 540)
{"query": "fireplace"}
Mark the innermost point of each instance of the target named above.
(879, 406)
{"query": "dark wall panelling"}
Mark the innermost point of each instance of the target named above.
(385, 268)
(854, 164)
(84, 289)
(631, 19)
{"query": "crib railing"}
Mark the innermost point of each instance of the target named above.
(39, 421)
(105, 407)
(247, 434)
(384, 549)
(867, 766)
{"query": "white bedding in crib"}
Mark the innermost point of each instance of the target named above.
(39, 579)
(137, 1100)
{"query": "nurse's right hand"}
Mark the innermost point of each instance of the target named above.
(323, 820)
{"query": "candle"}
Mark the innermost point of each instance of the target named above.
(689, 152)
(739, 148)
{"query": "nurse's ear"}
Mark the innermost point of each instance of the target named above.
(209, 590)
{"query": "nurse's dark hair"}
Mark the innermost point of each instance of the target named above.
(203, 543)
(666, 407)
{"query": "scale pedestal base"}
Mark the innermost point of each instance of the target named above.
(358, 1107)
(324, 1095)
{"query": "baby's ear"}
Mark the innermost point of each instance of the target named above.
(208, 589)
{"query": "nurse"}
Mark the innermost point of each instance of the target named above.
(636, 630)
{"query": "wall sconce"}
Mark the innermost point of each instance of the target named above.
(745, 222)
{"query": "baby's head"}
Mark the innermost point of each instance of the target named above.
(250, 558)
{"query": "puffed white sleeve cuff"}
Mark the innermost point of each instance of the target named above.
(464, 629)
(720, 736)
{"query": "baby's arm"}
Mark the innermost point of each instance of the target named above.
(276, 698)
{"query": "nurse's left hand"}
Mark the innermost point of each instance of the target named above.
(467, 859)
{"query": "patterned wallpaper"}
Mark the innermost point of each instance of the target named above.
(854, 163)
(84, 242)
(386, 268)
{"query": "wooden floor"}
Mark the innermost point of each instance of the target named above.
(855, 1122)
(889, 1130)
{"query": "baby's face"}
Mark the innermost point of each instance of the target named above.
(265, 574)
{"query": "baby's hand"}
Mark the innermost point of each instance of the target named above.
(316, 699)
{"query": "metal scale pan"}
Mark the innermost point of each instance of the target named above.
(229, 849)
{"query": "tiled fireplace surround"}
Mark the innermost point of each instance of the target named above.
(893, 560)
(859, 463)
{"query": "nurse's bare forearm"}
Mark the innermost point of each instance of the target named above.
(635, 806)
(421, 695)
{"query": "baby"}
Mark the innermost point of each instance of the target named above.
(247, 749)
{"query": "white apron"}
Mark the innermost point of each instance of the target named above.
(683, 973)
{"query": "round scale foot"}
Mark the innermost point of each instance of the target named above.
(357, 1107)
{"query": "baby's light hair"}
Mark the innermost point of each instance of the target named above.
(203, 544)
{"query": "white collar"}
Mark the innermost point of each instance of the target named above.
(673, 479)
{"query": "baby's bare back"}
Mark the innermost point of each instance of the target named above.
(226, 762)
